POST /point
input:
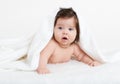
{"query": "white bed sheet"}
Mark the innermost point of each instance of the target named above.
(72, 72)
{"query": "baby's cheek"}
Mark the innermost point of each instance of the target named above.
(73, 37)
(72, 40)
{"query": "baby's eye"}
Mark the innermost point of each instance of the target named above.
(60, 28)
(70, 29)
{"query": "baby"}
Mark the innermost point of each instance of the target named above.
(64, 43)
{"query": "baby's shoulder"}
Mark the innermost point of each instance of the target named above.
(76, 46)
(52, 42)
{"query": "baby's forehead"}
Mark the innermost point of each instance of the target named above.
(66, 21)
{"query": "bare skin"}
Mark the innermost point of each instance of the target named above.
(61, 48)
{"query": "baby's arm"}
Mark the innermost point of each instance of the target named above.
(44, 57)
(82, 56)
(88, 60)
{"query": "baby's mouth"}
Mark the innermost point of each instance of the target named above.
(65, 38)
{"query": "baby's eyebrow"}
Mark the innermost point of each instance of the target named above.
(59, 24)
(71, 26)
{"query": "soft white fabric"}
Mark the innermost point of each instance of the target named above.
(72, 72)
(40, 40)
(13, 49)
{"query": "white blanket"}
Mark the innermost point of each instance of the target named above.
(72, 72)
(12, 50)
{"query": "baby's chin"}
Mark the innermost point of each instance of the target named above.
(65, 45)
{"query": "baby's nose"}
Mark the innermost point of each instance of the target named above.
(65, 32)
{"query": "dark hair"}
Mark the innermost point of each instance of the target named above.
(68, 13)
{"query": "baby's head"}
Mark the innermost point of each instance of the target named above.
(66, 21)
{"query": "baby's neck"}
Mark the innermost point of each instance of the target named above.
(64, 46)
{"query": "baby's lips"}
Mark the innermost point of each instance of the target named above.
(65, 38)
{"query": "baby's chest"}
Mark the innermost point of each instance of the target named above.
(63, 54)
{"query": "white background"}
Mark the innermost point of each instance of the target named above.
(19, 18)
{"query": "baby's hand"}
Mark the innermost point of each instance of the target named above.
(95, 63)
(42, 71)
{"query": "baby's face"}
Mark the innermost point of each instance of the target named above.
(65, 31)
